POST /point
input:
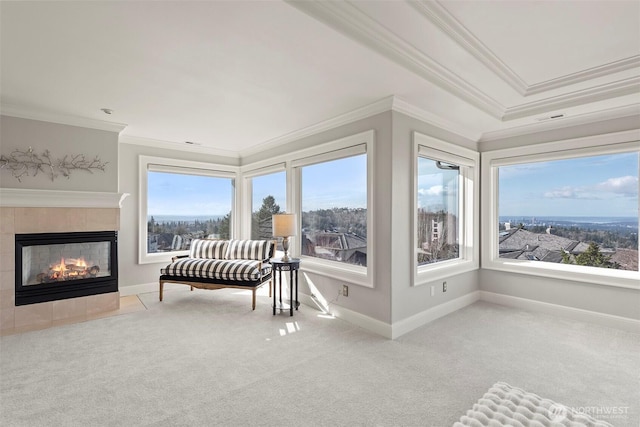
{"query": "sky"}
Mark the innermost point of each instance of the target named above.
(339, 183)
(437, 188)
(601, 186)
(178, 194)
(589, 186)
(336, 184)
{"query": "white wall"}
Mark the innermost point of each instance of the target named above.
(60, 140)
(409, 300)
(609, 300)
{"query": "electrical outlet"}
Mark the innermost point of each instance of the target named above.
(444, 286)
(345, 291)
(433, 290)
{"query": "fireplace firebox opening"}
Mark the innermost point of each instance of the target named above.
(55, 266)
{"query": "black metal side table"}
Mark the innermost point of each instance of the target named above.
(292, 266)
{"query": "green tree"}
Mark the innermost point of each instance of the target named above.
(224, 229)
(261, 223)
(592, 257)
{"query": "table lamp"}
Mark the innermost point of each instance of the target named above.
(284, 225)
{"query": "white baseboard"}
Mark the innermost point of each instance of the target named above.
(365, 322)
(625, 323)
(409, 324)
(402, 327)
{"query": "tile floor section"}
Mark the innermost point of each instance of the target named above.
(128, 304)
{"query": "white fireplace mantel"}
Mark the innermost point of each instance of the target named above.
(28, 198)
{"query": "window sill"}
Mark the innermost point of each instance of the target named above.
(442, 270)
(599, 276)
(348, 273)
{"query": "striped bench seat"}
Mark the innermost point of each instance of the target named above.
(235, 270)
(217, 264)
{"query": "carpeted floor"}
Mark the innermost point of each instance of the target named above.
(204, 358)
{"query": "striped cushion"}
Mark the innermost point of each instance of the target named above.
(234, 270)
(215, 249)
(248, 249)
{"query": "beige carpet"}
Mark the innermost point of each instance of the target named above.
(203, 358)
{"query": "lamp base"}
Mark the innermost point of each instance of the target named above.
(285, 246)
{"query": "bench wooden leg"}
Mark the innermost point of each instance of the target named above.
(270, 286)
(161, 289)
(253, 301)
(191, 288)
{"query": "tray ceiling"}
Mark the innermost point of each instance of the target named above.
(235, 77)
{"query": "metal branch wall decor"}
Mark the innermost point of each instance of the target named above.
(22, 163)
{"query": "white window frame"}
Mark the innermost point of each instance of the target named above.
(163, 164)
(616, 143)
(468, 198)
(247, 201)
(362, 143)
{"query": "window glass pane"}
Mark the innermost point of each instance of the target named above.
(182, 207)
(581, 211)
(334, 210)
(438, 211)
(268, 198)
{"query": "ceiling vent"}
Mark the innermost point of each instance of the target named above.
(551, 117)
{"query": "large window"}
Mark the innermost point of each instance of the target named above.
(566, 210)
(268, 197)
(445, 209)
(182, 201)
(438, 211)
(334, 210)
(581, 211)
(332, 194)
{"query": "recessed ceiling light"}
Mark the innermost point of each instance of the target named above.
(107, 110)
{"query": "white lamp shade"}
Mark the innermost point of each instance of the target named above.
(284, 225)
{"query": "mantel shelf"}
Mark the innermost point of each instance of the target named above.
(29, 198)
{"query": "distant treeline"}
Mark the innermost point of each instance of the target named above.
(345, 220)
(342, 220)
(217, 226)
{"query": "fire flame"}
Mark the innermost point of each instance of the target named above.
(78, 262)
(69, 269)
(60, 267)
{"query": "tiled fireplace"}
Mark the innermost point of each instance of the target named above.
(56, 266)
(19, 216)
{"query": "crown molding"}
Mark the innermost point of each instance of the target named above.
(45, 116)
(402, 106)
(441, 18)
(598, 93)
(179, 146)
(631, 110)
(354, 23)
(588, 74)
(377, 107)
(390, 103)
